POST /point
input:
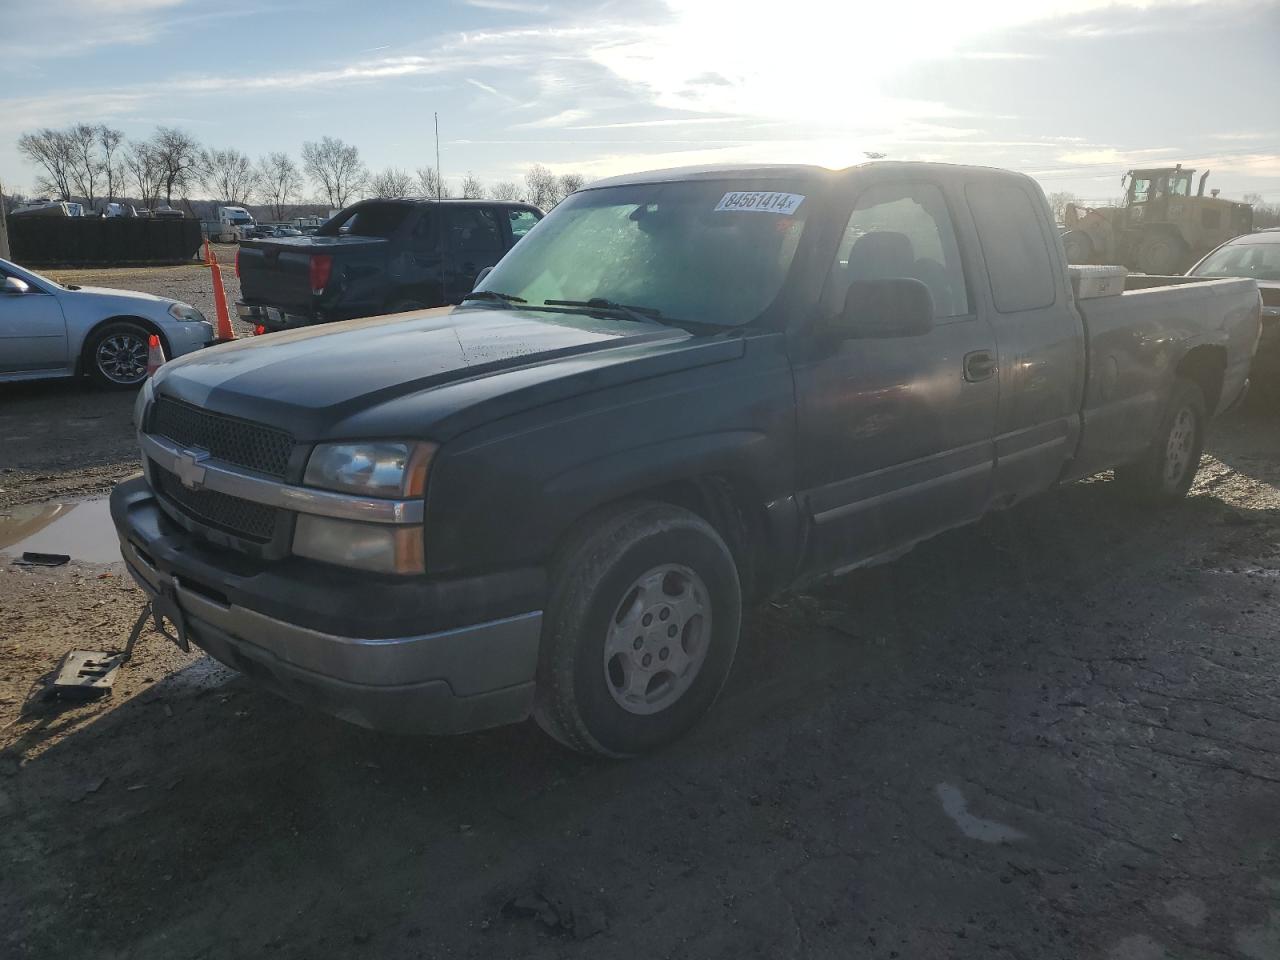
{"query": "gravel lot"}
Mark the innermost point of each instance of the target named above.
(1053, 735)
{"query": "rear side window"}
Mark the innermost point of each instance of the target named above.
(522, 222)
(368, 220)
(1013, 245)
(471, 230)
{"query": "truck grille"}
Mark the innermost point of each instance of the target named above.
(251, 445)
(241, 518)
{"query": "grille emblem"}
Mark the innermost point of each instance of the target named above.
(190, 468)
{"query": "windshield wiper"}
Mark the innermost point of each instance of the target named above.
(638, 314)
(493, 295)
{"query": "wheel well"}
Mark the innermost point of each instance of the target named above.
(731, 509)
(82, 362)
(1205, 367)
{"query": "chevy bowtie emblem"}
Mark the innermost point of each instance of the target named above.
(190, 468)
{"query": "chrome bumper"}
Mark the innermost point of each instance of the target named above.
(451, 681)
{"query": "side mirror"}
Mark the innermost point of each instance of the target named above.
(14, 285)
(882, 309)
(481, 275)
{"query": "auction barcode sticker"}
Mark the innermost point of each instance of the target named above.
(784, 203)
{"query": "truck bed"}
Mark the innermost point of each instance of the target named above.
(1132, 339)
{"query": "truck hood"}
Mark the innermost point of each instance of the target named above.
(429, 374)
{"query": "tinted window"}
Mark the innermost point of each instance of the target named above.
(898, 231)
(470, 229)
(1013, 245)
(522, 222)
(369, 220)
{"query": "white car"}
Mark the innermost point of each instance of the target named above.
(51, 330)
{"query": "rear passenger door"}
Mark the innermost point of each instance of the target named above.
(1038, 332)
(473, 240)
(895, 433)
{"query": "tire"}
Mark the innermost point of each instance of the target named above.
(116, 355)
(1162, 254)
(1165, 473)
(634, 568)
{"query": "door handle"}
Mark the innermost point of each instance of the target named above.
(979, 365)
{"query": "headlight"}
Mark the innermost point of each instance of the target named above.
(378, 469)
(184, 311)
(380, 547)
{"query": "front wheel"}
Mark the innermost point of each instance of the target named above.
(1162, 255)
(641, 630)
(116, 355)
(1166, 472)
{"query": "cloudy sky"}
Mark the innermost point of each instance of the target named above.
(1072, 91)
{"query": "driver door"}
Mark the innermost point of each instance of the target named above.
(33, 332)
(896, 432)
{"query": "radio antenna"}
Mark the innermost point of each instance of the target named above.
(444, 296)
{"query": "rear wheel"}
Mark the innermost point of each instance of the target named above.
(1162, 254)
(1166, 472)
(116, 354)
(641, 630)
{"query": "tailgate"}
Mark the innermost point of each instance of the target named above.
(278, 272)
(271, 273)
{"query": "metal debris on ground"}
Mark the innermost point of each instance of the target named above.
(31, 559)
(90, 674)
(86, 675)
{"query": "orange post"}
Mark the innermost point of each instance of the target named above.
(223, 326)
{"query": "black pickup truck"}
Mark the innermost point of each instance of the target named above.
(683, 391)
(376, 257)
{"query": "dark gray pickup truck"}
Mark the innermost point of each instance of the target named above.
(683, 391)
(376, 257)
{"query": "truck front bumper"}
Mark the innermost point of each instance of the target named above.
(448, 680)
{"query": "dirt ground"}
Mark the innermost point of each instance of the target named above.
(1052, 735)
(59, 439)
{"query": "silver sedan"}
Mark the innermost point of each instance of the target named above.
(51, 330)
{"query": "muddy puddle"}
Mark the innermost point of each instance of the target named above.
(80, 529)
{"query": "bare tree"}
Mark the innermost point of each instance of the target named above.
(541, 187)
(472, 188)
(431, 184)
(391, 182)
(109, 143)
(86, 166)
(570, 183)
(179, 156)
(143, 165)
(505, 190)
(1058, 203)
(336, 168)
(279, 181)
(51, 151)
(229, 175)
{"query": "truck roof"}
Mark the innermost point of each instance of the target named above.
(455, 201)
(784, 171)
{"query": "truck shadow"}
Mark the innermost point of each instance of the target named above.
(220, 801)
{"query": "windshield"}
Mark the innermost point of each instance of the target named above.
(1259, 261)
(705, 251)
